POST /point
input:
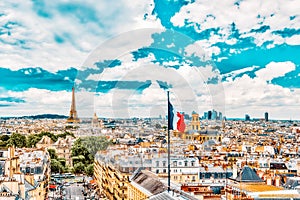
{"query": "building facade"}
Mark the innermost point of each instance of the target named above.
(25, 174)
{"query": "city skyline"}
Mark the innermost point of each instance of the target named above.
(237, 57)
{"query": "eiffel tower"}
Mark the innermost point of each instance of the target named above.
(73, 118)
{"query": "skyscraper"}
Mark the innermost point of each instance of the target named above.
(209, 115)
(73, 118)
(266, 116)
(247, 117)
(220, 117)
(214, 115)
(205, 115)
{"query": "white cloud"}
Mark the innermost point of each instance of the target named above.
(188, 88)
(122, 29)
(38, 101)
(202, 49)
(233, 74)
(275, 69)
(38, 47)
(294, 40)
(121, 46)
(255, 96)
(247, 16)
(190, 92)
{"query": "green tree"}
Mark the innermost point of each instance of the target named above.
(79, 168)
(56, 166)
(17, 140)
(95, 143)
(3, 143)
(4, 138)
(32, 140)
(50, 135)
(68, 169)
(62, 161)
(89, 170)
(52, 153)
(78, 149)
(65, 134)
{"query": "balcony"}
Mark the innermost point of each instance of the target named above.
(124, 187)
(189, 173)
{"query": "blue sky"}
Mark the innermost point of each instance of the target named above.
(236, 57)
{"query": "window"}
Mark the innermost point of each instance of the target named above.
(185, 163)
(193, 163)
(216, 175)
(174, 163)
(157, 163)
(164, 163)
(38, 170)
(164, 171)
(193, 178)
(157, 171)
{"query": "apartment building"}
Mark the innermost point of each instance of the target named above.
(25, 173)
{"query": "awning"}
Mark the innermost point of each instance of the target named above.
(52, 186)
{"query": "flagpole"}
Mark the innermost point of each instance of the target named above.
(169, 165)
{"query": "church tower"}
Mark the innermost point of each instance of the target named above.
(195, 123)
(73, 118)
(95, 121)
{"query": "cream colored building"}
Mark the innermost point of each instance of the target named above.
(144, 184)
(111, 181)
(45, 142)
(25, 173)
(62, 147)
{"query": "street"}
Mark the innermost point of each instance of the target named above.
(71, 188)
(74, 192)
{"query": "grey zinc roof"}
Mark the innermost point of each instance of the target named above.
(172, 196)
(28, 186)
(4, 188)
(248, 175)
(148, 181)
(161, 196)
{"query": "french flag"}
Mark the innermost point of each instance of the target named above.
(178, 119)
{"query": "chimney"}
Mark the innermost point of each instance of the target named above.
(234, 171)
(11, 152)
(277, 181)
(269, 180)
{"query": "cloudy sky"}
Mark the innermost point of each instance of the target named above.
(234, 56)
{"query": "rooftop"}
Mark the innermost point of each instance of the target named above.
(256, 187)
(248, 175)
